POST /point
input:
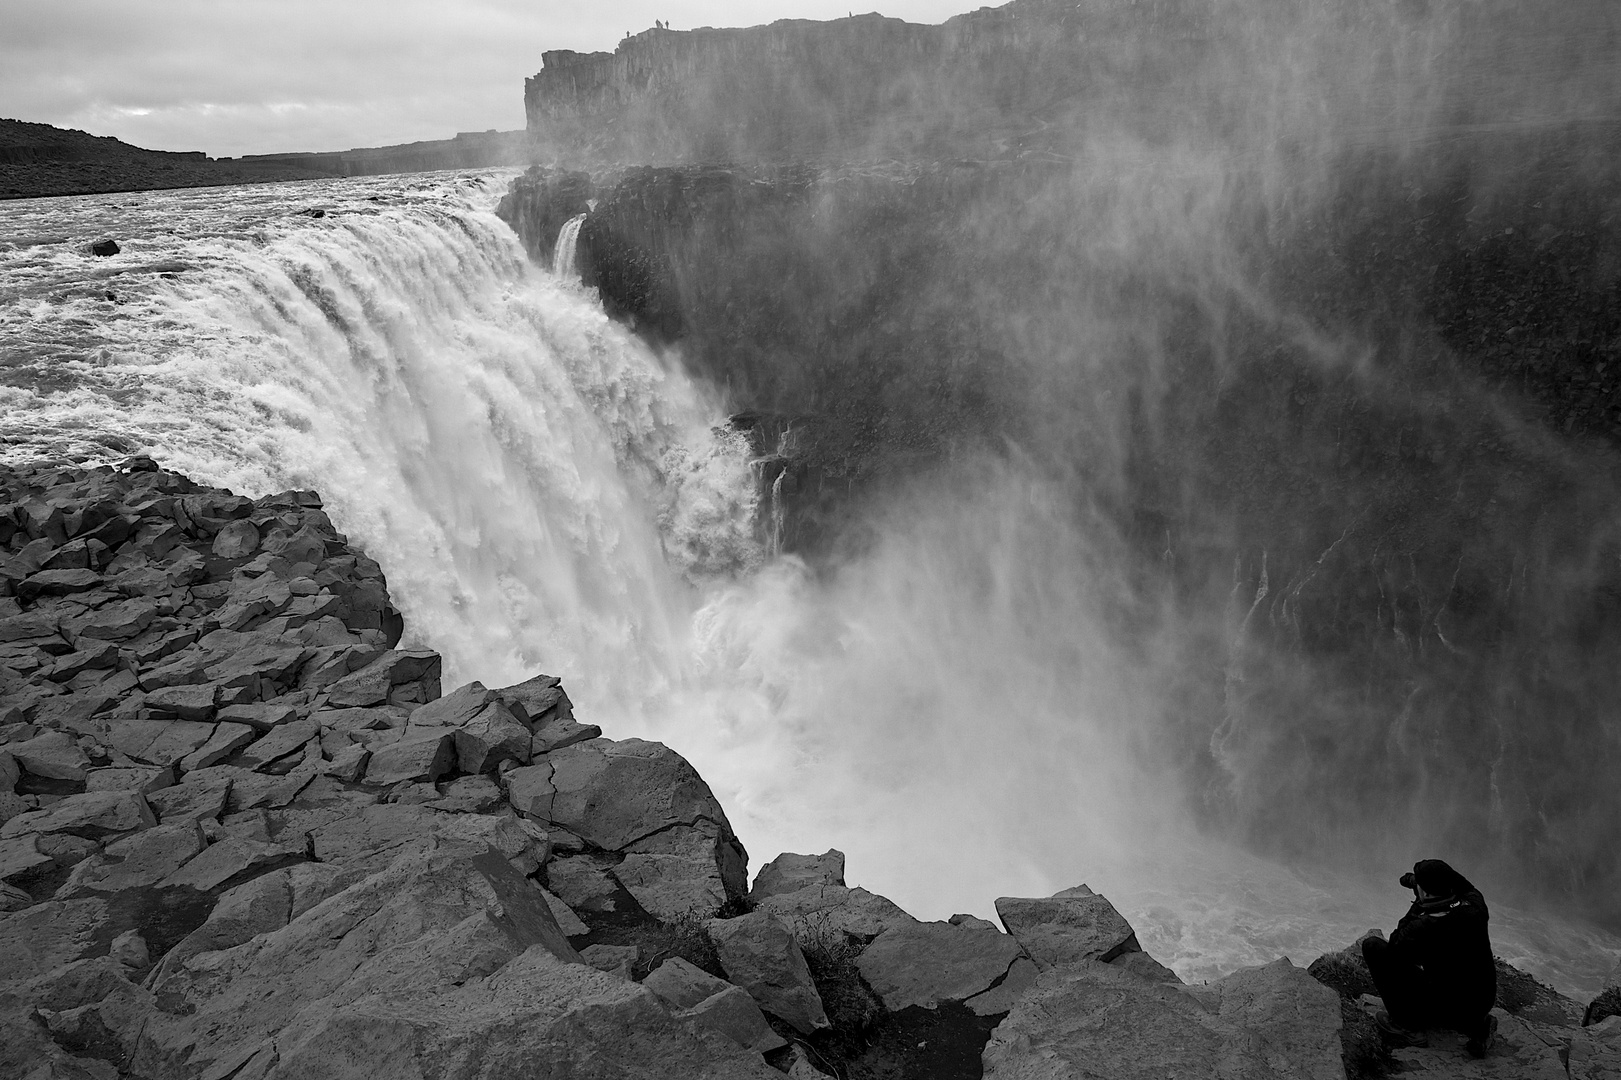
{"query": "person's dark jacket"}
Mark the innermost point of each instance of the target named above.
(1446, 936)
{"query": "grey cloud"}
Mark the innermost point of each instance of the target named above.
(273, 75)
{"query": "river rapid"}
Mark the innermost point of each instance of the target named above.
(547, 494)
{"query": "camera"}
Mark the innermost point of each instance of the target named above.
(1408, 881)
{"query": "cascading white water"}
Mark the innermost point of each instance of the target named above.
(568, 246)
(545, 493)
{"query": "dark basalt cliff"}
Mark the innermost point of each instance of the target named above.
(1321, 331)
(861, 88)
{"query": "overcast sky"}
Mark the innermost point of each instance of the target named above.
(260, 76)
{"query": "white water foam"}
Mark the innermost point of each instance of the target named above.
(546, 494)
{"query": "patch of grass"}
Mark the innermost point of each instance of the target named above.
(1364, 1053)
(1344, 972)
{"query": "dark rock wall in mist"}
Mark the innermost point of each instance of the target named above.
(1328, 358)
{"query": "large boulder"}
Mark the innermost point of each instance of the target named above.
(1090, 1019)
(644, 800)
(1068, 927)
(927, 963)
(759, 954)
(428, 923)
(789, 872)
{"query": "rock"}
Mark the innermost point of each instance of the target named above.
(11, 897)
(613, 794)
(45, 937)
(493, 736)
(182, 702)
(261, 716)
(20, 856)
(540, 698)
(614, 959)
(115, 622)
(1021, 976)
(142, 778)
(54, 754)
(760, 955)
(258, 906)
(972, 922)
(1145, 966)
(226, 740)
(375, 683)
(235, 540)
(158, 742)
(855, 911)
(567, 921)
(682, 985)
(425, 758)
(425, 926)
(455, 709)
(135, 862)
(231, 857)
(56, 583)
(1595, 1051)
(278, 743)
(129, 950)
(469, 795)
(104, 248)
(683, 871)
(530, 791)
(789, 873)
(927, 963)
(94, 816)
(1066, 928)
(560, 733)
(199, 796)
(349, 765)
(94, 655)
(733, 1013)
(583, 883)
(1091, 1019)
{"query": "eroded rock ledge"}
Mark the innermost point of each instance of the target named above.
(243, 835)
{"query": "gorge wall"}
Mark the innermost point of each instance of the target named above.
(1309, 313)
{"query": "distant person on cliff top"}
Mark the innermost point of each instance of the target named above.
(1436, 971)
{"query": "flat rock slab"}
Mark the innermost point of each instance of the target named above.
(1092, 1020)
(1067, 928)
(835, 907)
(681, 872)
(759, 954)
(48, 936)
(682, 984)
(928, 963)
(136, 861)
(425, 926)
(95, 815)
(734, 1014)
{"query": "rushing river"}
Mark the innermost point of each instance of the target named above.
(545, 493)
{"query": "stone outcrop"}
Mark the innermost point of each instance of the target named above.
(1091, 1019)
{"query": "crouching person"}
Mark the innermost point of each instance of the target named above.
(1436, 971)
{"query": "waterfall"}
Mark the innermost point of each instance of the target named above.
(568, 243)
(542, 490)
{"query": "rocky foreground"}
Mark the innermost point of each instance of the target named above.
(244, 835)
